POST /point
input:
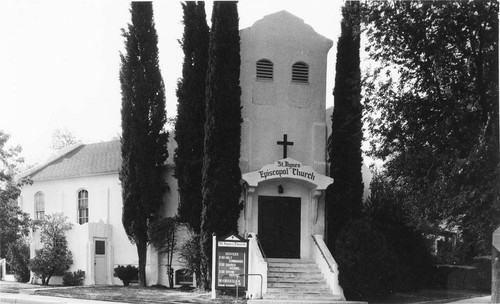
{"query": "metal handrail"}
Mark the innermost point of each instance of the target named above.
(260, 248)
(323, 254)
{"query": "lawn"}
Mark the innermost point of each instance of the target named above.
(136, 294)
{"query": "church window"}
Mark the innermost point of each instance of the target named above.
(83, 207)
(39, 206)
(300, 72)
(265, 69)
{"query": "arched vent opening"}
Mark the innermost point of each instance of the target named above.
(264, 69)
(300, 72)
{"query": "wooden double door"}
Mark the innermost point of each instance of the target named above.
(279, 226)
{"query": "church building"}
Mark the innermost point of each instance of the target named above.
(283, 165)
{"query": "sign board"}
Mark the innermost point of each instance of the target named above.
(496, 239)
(287, 168)
(231, 261)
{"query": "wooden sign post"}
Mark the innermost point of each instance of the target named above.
(231, 264)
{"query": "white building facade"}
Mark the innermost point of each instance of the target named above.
(283, 164)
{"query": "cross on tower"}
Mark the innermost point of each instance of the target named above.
(285, 143)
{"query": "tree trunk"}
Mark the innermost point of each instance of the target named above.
(142, 253)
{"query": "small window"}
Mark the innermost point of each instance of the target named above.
(100, 247)
(39, 206)
(264, 69)
(183, 277)
(83, 207)
(300, 72)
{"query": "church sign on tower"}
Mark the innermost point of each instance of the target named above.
(287, 168)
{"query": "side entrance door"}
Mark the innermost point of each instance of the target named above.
(279, 226)
(100, 261)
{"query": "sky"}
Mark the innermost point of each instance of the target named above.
(59, 62)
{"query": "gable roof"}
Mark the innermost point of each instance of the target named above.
(78, 161)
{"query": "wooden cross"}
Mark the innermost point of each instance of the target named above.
(285, 143)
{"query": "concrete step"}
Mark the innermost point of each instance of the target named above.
(291, 274)
(297, 288)
(296, 280)
(292, 265)
(298, 285)
(300, 301)
(292, 270)
(302, 297)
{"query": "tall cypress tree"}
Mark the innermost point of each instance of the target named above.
(190, 124)
(344, 198)
(221, 172)
(144, 140)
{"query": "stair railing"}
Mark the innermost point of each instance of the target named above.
(327, 264)
(260, 248)
(257, 264)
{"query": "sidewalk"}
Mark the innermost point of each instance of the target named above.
(34, 299)
(478, 300)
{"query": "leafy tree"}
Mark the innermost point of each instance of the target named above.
(344, 198)
(54, 258)
(144, 140)
(15, 223)
(62, 138)
(162, 235)
(432, 105)
(221, 187)
(190, 124)
(190, 258)
(18, 256)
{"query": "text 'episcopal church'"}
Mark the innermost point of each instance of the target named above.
(283, 165)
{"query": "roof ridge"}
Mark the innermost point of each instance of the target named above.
(51, 159)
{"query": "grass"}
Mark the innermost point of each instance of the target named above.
(136, 294)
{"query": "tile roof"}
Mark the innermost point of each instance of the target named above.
(86, 160)
(82, 160)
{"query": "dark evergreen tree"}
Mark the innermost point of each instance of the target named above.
(190, 123)
(221, 172)
(344, 197)
(144, 139)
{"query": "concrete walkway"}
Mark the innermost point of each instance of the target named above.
(486, 299)
(35, 299)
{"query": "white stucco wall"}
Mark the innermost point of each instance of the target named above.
(272, 108)
(105, 209)
(275, 107)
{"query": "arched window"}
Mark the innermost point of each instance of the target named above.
(39, 206)
(83, 206)
(264, 69)
(300, 72)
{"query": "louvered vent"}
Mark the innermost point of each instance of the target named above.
(264, 69)
(300, 72)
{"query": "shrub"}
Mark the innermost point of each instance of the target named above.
(54, 258)
(474, 277)
(414, 261)
(18, 256)
(75, 278)
(366, 261)
(190, 258)
(126, 273)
